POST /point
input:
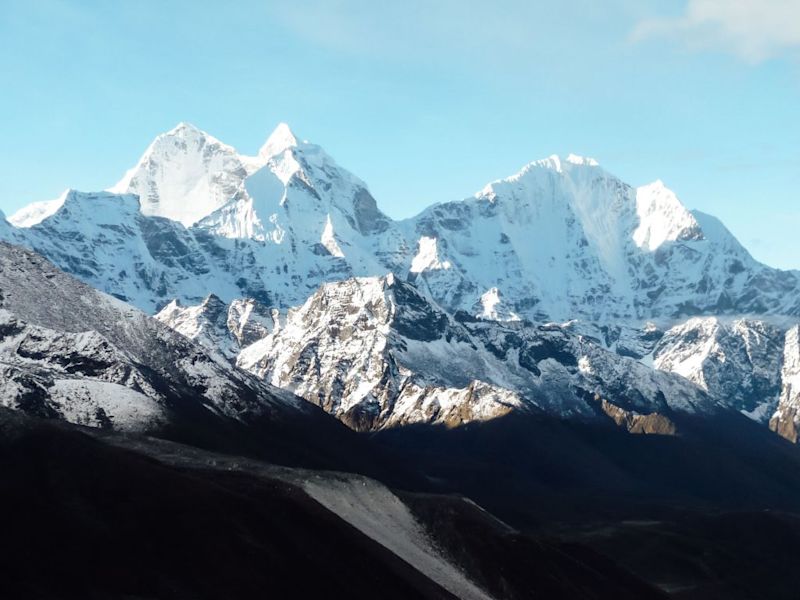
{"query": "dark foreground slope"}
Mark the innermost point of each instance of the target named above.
(86, 520)
(533, 471)
(86, 517)
(750, 555)
(710, 513)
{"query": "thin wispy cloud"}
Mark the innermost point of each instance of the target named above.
(451, 31)
(754, 30)
(413, 28)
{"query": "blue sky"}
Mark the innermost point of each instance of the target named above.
(425, 101)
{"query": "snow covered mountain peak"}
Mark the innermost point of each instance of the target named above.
(575, 159)
(303, 199)
(279, 140)
(184, 175)
(572, 168)
(182, 134)
(36, 212)
(561, 239)
(184, 128)
(97, 208)
(560, 164)
(662, 217)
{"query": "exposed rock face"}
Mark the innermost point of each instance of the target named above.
(378, 353)
(250, 321)
(208, 320)
(786, 419)
(350, 349)
(218, 327)
(737, 362)
(747, 365)
(652, 424)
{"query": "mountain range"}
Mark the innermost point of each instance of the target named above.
(562, 239)
(562, 366)
(195, 230)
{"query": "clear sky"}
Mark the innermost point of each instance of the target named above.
(424, 100)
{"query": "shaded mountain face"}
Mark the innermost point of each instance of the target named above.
(688, 512)
(120, 505)
(64, 339)
(575, 485)
(566, 480)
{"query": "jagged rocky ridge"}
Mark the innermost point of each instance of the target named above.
(353, 362)
(219, 327)
(378, 353)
